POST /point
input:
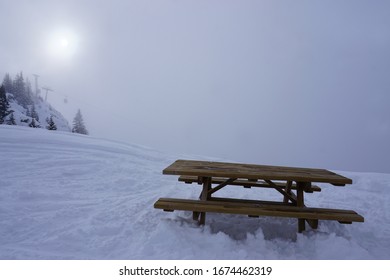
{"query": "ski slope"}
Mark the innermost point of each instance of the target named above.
(70, 196)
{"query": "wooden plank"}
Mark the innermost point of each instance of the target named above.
(259, 210)
(231, 202)
(251, 171)
(248, 201)
(244, 183)
(313, 223)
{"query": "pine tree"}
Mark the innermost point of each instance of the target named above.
(34, 113)
(28, 92)
(28, 112)
(4, 105)
(11, 120)
(7, 82)
(51, 124)
(19, 91)
(18, 88)
(78, 124)
(33, 124)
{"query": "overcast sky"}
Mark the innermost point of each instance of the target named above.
(300, 83)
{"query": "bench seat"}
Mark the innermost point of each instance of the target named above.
(258, 209)
(245, 183)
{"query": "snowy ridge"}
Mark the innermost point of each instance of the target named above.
(44, 111)
(70, 196)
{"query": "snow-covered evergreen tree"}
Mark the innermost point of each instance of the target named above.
(51, 125)
(18, 88)
(34, 113)
(4, 105)
(19, 91)
(28, 91)
(78, 124)
(11, 120)
(7, 83)
(28, 112)
(33, 124)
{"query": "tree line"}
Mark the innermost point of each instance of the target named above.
(20, 91)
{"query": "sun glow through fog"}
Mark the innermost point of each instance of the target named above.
(63, 44)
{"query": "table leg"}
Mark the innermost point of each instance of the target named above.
(195, 215)
(204, 196)
(288, 190)
(313, 223)
(300, 203)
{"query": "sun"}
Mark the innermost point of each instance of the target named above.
(62, 44)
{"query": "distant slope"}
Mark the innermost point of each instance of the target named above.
(71, 196)
(44, 111)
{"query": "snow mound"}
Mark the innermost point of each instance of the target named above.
(70, 196)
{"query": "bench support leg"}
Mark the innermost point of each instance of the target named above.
(202, 219)
(195, 215)
(288, 190)
(301, 225)
(205, 195)
(313, 223)
(300, 203)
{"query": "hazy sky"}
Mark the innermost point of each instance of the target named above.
(300, 83)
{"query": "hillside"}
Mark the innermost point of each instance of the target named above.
(70, 196)
(44, 111)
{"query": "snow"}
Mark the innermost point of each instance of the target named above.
(70, 196)
(44, 111)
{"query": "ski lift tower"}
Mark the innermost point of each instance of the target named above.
(47, 90)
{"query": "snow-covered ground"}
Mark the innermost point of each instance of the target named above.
(70, 196)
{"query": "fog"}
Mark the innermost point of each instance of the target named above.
(300, 83)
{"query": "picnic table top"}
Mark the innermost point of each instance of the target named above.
(252, 171)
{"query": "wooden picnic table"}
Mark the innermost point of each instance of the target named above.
(290, 182)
